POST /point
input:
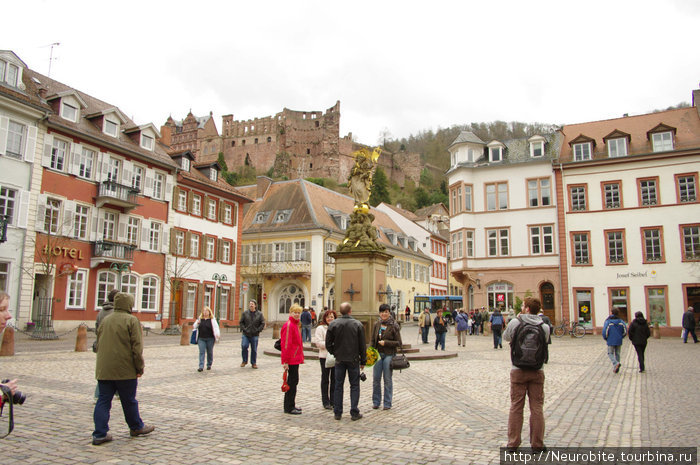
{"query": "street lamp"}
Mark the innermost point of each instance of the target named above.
(120, 268)
(218, 278)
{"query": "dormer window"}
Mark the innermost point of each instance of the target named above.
(582, 151)
(536, 146)
(147, 142)
(261, 217)
(9, 73)
(662, 141)
(69, 112)
(495, 154)
(617, 147)
(213, 174)
(111, 128)
(185, 164)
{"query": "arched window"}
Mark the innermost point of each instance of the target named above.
(290, 295)
(130, 283)
(106, 281)
(500, 294)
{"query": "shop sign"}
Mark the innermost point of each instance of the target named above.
(636, 274)
(65, 252)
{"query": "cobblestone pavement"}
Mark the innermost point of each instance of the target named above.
(450, 411)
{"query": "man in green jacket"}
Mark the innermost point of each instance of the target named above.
(119, 365)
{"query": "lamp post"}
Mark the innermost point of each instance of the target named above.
(120, 268)
(218, 278)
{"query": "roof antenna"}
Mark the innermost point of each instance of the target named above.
(51, 58)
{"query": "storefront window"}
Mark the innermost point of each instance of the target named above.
(619, 300)
(500, 295)
(656, 305)
(585, 307)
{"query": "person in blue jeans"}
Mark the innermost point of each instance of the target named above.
(424, 325)
(386, 338)
(251, 323)
(440, 326)
(207, 333)
(614, 331)
(497, 323)
(306, 322)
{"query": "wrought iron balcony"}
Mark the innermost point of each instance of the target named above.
(108, 251)
(110, 192)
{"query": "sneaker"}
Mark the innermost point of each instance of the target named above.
(141, 432)
(98, 441)
(617, 368)
(356, 417)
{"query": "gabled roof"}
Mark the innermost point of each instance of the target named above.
(109, 111)
(434, 209)
(467, 137)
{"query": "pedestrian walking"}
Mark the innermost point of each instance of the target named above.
(251, 324)
(528, 336)
(689, 325)
(639, 333)
(119, 365)
(107, 309)
(6, 316)
(497, 322)
(345, 339)
(306, 322)
(424, 325)
(407, 312)
(207, 334)
(292, 356)
(614, 331)
(386, 338)
(462, 322)
(440, 326)
(327, 373)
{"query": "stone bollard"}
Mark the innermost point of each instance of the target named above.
(8, 342)
(185, 335)
(81, 338)
(276, 327)
(656, 333)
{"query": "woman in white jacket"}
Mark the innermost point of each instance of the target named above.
(208, 333)
(327, 375)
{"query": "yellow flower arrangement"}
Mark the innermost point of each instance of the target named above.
(372, 356)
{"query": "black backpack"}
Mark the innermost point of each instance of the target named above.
(528, 349)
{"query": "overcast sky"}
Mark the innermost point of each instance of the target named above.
(401, 66)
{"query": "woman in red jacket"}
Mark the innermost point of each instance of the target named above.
(292, 357)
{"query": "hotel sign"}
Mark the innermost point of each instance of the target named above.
(65, 252)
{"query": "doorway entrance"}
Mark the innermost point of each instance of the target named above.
(547, 299)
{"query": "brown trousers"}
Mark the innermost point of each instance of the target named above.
(530, 382)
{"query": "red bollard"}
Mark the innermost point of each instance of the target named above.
(185, 335)
(81, 339)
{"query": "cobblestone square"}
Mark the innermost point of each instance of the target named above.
(451, 411)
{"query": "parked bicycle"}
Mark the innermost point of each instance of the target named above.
(575, 329)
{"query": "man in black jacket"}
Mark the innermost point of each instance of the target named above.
(345, 339)
(689, 325)
(251, 323)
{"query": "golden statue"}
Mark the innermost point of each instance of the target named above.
(360, 180)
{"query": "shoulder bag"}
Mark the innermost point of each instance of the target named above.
(330, 360)
(399, 361)
(193, 336)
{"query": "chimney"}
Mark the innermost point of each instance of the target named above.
(42, 93)
(264, 184)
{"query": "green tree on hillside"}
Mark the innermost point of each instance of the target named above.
(380, 188)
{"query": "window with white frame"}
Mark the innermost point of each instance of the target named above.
(196, 204)
(662, 141)
(536, 149)
(154, 236)
(495, 153)
(578, 198)
(468, 198)
(208, 294)
(86, 160)
(691, 242)
(194, 245)
(80, 221)
(75, 297)
(498, 242)
(648, 192)
(149, 294)
(457, 245)
(687, 191)
(581, 249)
(130, 284)
(16, 137)
(616, 246)
(469, 243)
(497, 196)
(109, 224)
(254, 254)
(9, 73)
(106, 281)
(617, 147)
(539, 192)
(132, 230)
(52, 216)
(299, 251)
(182, 200)
(191, 298)
(158, 183)
(146, 142)
(111, 128)
(612, 195)
(185, 164)
(211, 209)
(8, 199)
(179, 243)
(278, 250)
(213, 174)
(541, 240)
(223, 303)
(653, 248)
(136, 177)
(226, 252)
(113, 170)
(69, 112)
(4, 275)
(582, 151)
(228, 214)
(58, 154)
(211, 248)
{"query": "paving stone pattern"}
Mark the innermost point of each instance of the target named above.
(450, 411)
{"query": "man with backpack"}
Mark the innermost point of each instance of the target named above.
(528, 336)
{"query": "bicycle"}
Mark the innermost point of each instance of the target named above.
(575, 329)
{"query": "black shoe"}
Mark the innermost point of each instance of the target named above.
(208, 368)
(200, 369)
(500, 346)
(375, 407)
(356, 417)
(338, 417)
(98, 441)
(328, 407)
(294, 411)
(617, 368)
